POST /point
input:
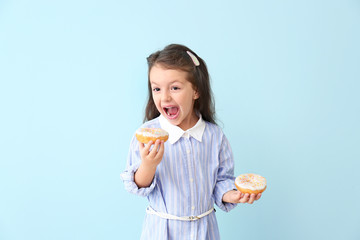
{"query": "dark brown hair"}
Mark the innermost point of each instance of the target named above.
(174, 56)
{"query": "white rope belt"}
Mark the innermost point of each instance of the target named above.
(150, 210)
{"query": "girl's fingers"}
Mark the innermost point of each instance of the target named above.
(258, 196)
(144, 149)
(148, 146)
(161, 148)
(141, 146)
(245, 198)
(153, 151)
(252, 198)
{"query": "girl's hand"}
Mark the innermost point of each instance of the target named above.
(151, 158)
(235, 196)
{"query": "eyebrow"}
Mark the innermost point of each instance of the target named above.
(172, 82)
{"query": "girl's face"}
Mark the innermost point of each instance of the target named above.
(174, 96)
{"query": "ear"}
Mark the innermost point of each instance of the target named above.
(196, 95)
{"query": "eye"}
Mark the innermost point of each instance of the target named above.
(156, 89)
(175, 88)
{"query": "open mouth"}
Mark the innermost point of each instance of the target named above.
(171, 112)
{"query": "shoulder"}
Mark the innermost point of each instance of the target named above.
(215, 132)
(154, 123)
(213, 129)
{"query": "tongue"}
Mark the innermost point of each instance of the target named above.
(172, 111)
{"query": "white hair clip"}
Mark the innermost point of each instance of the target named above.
(193, 58)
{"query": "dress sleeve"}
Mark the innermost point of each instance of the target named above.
(132, 165)
(225, 177)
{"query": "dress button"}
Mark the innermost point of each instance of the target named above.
(191, 179)
(193, 207)
(187, 151)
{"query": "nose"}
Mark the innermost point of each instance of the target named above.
(165, 97)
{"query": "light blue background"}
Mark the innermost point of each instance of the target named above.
(285, 75)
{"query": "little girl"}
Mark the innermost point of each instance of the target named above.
(183, 177)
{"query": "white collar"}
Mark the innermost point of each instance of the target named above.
(175, 132)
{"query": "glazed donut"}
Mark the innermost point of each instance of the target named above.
(145, 135)
(250, 183)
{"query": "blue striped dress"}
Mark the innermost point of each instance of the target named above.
(196, 170)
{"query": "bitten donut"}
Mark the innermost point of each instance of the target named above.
(145, 135)
(250, 183)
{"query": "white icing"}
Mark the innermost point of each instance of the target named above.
(152, 132)
(251, 181)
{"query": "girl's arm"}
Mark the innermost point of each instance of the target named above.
(235, 196)
(149, 161)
